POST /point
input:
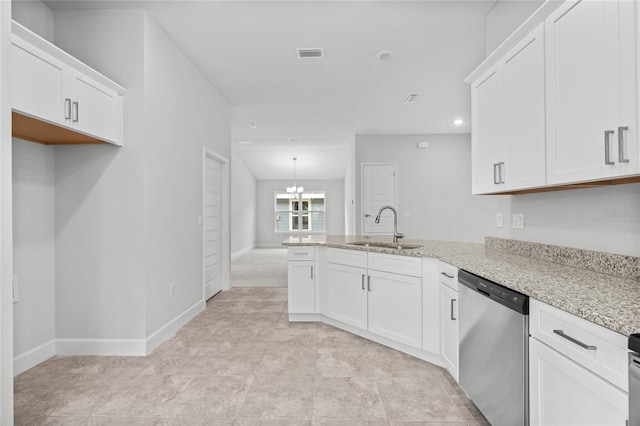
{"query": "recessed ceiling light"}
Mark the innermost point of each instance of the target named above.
(383, 55)
(313, 52)
(411, 98)
(293, 140)
(458, 121)
(245, 142)
(253, 125)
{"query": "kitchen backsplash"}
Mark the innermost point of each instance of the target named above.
(606, 263)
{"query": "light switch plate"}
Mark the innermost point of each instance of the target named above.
(518, 221)
(498, 220)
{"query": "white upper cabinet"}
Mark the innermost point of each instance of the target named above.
(591, 91)
(53, 88)
(508, 127)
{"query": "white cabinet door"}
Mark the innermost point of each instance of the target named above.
(524, 161)
(395, 307)
(488, 132)
(39, 87)
(347, 294)
(562, 393)
(96, 110)
(591, 90)
(449, 322)
(431, 305)
(302, 288)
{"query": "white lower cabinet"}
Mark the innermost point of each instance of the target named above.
(563, 393)
(395, 307)
(449, 332)
(301, 280)
(347, 294)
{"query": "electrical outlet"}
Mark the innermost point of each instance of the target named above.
(172, 289)
(518, 221)
(498, 220)
(15, 289)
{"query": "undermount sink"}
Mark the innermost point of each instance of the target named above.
(395, 246)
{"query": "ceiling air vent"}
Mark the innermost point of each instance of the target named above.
(315, 52)
(411, 98)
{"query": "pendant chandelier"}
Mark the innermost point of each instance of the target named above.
(295, 190)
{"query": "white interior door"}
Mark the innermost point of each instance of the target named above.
(212, 227)
(378, 190)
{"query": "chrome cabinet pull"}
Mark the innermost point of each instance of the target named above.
(501, 172)
(76, 110)
(446, 275)
(621, 131)
(367, 215)
(576, 341)
(452, 318)
(67, 108)
(363, 281)
(607, 159)
(495, 174)
(311, 272)
(369, 283)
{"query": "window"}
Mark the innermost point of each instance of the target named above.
(305, 214)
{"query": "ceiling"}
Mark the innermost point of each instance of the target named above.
(247, 50)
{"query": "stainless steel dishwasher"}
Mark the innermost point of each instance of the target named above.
(634, 380)
(494, 348)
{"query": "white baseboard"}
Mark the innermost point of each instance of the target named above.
(105, 347)
(171, 328)
(33, 357)
(239, 253)
(270, 245)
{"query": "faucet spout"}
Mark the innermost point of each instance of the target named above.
(396, 235)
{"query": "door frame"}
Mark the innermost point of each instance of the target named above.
(225, 245)
(395, 191)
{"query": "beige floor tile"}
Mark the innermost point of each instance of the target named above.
(195, 422)
(49, 421)
(344, 362)
(389, 363)
(212, 397)
(349, 423)
(300, 336)
(288, 360)
(122, 421)
(347, 398)
(331, 337)
(272, 422)
(277, 397)
(417, 399)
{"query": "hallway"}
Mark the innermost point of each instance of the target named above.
(261, 267)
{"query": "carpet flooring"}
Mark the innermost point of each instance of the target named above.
(266, 267)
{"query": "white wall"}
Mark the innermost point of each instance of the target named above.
(100, 268)
(334, 193)
(34, 15)
(433, 185)
(505, 17)
(34, 248)
(350, 199)
(6, 237)
(244, 212)
(183, 113)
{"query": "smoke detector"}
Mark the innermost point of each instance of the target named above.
(312, 52)
(383, 55)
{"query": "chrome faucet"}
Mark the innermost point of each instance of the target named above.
(396, 234)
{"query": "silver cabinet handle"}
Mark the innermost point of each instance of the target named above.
(311, 271)
(363, 281)
(446, 275)
(367, 215)
(607, 159)
(576, 341)
(67, 108)
(501, 172)
(452, 317)
(495, 174)
(621, 131)
(76, 110)
(368, 282)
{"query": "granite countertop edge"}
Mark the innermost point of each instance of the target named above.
(603, 299)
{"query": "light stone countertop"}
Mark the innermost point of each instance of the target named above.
(607, 300)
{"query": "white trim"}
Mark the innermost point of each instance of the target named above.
(108, 347)
(169, 330)
(33, 357)
(242, 252)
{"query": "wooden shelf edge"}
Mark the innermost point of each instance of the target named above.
(34, 130)
(582, 185)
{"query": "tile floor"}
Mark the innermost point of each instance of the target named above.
(241, 363)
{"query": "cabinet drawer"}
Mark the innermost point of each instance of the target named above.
(449, 275)
(347, 257)
(301, 253)
(608, 355)
(395, 264)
